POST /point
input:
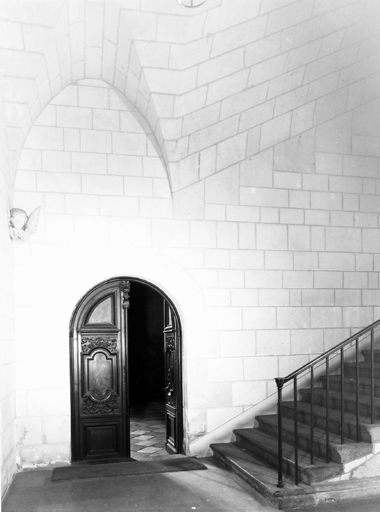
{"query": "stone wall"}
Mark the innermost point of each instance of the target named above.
(91, 165)
(240, 176)
(7, 356)
(7, 348)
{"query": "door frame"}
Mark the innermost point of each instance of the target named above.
(82, 304)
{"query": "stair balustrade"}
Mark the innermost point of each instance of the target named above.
(355, 342)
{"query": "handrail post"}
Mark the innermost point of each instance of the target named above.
(341, 396)
(372, 379)
(295, 431)
(311, 414)
(327, 410)
(280, 383)
(357, 372)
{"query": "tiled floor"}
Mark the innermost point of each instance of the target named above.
(148, 432)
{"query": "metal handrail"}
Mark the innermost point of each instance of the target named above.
(325, 357)
(330, 351)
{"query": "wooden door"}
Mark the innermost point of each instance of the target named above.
(99, 373)
(99, 397)
(173, 381)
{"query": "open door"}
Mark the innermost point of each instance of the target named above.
(102, 369)
(173, 386)
(99, 398)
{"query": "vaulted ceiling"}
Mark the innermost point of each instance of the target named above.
(198, 75)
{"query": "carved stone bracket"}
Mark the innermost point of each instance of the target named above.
(89, 343)
(125, 293)
(90, 407)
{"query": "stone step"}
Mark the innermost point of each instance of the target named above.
(319, 397)
(265, 447)
(263, 478)
(350, 384)
(339, 453)
(367, 355)
(364, 370)
(367, 433)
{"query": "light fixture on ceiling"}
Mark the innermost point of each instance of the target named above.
(191, 3)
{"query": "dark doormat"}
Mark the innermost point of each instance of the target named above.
(129, 468)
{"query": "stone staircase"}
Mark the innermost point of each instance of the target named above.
(339, 471)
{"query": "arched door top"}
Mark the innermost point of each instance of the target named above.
(100, 369)
(89, 298)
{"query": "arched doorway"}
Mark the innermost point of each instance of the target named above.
(125, 354)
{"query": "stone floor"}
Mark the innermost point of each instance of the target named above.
(214, 490)
(148, 436)
(372, 505)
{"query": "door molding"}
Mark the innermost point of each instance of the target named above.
(83, 311)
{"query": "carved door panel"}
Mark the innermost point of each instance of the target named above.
(99, 391)
(173, 388)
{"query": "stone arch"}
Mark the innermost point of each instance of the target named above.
(132, 107)
(56, 66)
(118, 103)
(66, 276)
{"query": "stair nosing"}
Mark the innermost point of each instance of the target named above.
(347, 394)
(335, 441)
(318, 462)
(349, 417)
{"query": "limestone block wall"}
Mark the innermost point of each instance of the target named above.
(7, 348)
(90, 163)
(274, 297)
(7, 356)
(250, 194)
